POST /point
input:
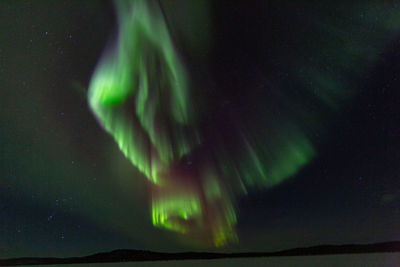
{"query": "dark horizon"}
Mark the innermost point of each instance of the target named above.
(129, 255)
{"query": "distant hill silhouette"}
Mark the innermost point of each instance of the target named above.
(126, 255)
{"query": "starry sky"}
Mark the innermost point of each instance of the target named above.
(329, 72)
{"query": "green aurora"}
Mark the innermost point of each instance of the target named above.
(141, 94)
(143, 73)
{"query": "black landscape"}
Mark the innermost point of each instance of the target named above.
(128, 255)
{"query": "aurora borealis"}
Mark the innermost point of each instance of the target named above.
(201, 125)
(140, 95)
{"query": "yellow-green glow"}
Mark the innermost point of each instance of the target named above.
(139, 91)
(171, 212)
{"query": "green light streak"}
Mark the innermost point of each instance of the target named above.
(143, 72)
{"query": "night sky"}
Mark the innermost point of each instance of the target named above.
(322, 78)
